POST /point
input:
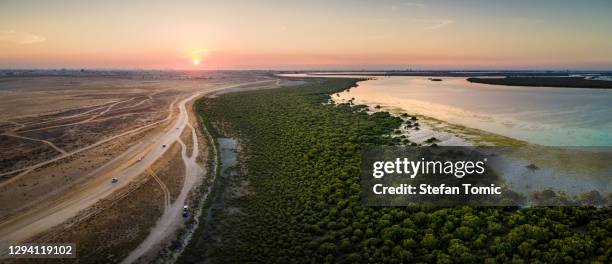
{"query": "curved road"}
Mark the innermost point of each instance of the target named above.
(172, 220)
(24, 226)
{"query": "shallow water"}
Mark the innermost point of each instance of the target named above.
(572, 171)
(541, 115)
(228, 154)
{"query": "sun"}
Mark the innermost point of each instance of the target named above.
(196, 61)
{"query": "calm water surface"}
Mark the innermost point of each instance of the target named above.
(541, 115)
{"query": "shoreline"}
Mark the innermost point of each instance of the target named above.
(546, 116)
(448, 134)
(522, 155)
(281, 176)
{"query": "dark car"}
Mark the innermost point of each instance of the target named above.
(185, 211)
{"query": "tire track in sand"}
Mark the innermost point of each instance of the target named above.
(164, 188)
(39, 140)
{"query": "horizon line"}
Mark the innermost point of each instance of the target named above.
(406, 69)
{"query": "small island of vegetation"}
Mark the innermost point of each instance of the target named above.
(567, 82)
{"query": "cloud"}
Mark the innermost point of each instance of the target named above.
(412, 4)
(20, 37)
(396, 7)
(435, 23)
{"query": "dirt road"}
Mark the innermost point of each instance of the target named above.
(172, 220)
(126, 167)
(26, 225)
(39, 140)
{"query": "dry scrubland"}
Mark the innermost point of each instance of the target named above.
(102, 110)
(124, 219)
(65, 135)
(122, 106)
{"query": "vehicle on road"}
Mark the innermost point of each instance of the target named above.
(185, 211)
(114, 180)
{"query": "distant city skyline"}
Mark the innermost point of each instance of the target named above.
(313, 35)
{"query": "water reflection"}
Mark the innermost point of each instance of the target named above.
(541, 115)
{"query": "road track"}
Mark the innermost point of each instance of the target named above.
(89, 120)
(171, 220)
(39, 140)
(164, 189)
(21, 227)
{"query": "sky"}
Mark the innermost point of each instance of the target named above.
(298, 35)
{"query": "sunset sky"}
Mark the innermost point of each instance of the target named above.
(306, 34)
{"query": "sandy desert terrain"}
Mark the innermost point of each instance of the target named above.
(65, 138)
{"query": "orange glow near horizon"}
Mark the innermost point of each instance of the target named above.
(246, 34)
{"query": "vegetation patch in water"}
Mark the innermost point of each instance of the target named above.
(569, 82)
